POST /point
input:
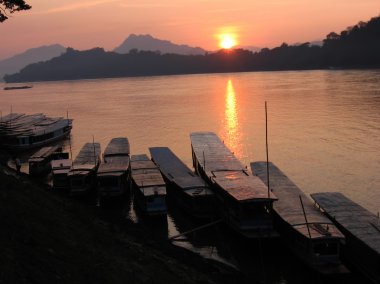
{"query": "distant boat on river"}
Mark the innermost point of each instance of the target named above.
(17, 87)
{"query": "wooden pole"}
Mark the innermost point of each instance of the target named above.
(204, 162)
(304, 214)
(196, 229)
(93, 145)
(266, 144)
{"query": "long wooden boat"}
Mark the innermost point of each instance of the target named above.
(20, 132)
(39, 162)
(315, 241)
(17, 87)
(360, 227)
(82, 175)
(149, 186)
(113, 172)
(191, 192)
(244, 200)
(60, 166)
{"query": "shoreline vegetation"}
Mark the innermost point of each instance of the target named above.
(48, 238)
(355, 47)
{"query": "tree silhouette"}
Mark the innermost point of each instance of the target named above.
(11, 6)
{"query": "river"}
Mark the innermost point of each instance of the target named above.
(324, 126)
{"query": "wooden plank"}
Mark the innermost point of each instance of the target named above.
(222, 168)
(288, 206)
(360, 223)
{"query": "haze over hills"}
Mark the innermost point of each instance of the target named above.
(15, 63)
(149, 43)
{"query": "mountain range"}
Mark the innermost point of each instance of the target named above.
(15, 63)
(355, 47)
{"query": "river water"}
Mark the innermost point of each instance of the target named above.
(324, 126)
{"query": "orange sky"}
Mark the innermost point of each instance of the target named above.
(106, 23)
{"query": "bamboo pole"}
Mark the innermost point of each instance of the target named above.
(266, 144)
(304, 214)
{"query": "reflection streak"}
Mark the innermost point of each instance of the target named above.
(231, 130)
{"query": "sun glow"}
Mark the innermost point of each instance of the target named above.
(227, 41)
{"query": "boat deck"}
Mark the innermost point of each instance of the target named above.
(353, 218)
(88, 157)
(178, 173)
(147, 176)
(220, 166)
(117, 147)
(116, 157)
(289, 207)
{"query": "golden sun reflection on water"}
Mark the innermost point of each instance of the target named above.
(231, 124)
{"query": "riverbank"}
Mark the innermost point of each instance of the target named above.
(47, 237)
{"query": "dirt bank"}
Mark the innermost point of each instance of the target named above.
(46, 237)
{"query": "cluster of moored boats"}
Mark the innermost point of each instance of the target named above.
(317, 232)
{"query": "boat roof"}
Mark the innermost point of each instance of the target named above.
(358, 221)
(289, 207)
(145, 173)
(224, 169)
(176, 171)
(43, 153)
(114, 164)
(88, 157)
(22, 125)
(117, 146)
(141, 162)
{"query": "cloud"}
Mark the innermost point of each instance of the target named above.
(76, 6)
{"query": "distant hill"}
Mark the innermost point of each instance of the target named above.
(149, 43)
(16, 63)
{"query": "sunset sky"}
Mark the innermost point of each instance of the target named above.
(106, 23)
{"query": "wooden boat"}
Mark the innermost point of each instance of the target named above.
(360, 227)
(191, 192)
(82, 175)
(113, 172)
(60, 166)
(17, 87)
(149, 186)
(19, 132)
(244, 200)
(314, 239)
(39, 162)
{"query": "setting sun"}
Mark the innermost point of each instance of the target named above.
(227, 41)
